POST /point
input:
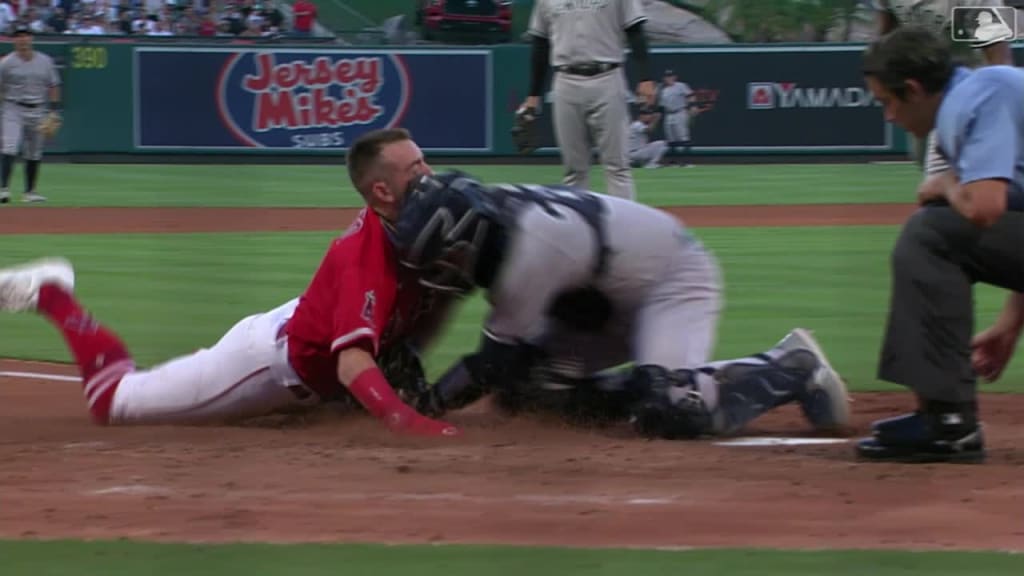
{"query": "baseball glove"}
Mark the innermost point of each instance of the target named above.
(403, 369)
(49, 125)
(525, 131)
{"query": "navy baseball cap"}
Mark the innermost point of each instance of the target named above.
(22, 29)
(669, 72)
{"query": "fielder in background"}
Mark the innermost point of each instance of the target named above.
(310, 349)
(970, 229)
(677, 101)
(31, 97)
(643, 151)
(580, 283)
(582, 42)
(937, 17)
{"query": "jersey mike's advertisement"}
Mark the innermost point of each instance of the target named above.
(303, 100)
(765, 99)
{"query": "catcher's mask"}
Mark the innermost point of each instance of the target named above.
(440, 231)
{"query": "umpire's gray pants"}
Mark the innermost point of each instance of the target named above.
(938, 257)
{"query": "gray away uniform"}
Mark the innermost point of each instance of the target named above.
(641, 151)
(663, 284)
(579, 284)
(25, 85)
(584, 32)
(674, 100)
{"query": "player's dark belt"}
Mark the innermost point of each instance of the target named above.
(26, 104)
(587, 68)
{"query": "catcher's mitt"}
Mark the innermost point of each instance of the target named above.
(49, 125)
(524, 132)
(403, 369)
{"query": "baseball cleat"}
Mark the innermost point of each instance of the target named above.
(33, 197)
(826, 403)
(920, 437)
(19, 285)
(5, 196)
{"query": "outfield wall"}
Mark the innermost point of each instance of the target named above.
(129, 98)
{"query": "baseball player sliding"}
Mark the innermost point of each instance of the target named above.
(579, 283)
(312, 348)
(31, 97)
(582, 42)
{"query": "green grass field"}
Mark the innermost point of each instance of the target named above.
(169, 294)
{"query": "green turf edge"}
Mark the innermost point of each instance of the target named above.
(147, 185)
(115, 558)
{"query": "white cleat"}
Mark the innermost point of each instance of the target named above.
(19, 285)
(827, 402)
(31, 197)
(5, 196)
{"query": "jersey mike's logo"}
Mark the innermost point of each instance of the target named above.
(285, 99)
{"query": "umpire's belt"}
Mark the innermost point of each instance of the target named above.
(587, 68)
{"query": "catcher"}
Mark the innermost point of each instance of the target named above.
(580, 283)
(30, 86)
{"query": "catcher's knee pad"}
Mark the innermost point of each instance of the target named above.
(669, 406)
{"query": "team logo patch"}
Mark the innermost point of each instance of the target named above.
(289, 99)
(369, 303)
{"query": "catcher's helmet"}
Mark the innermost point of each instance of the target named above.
(441, 229)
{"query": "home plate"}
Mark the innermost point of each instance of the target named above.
(770, 441)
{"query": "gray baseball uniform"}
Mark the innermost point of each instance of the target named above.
(642, 152)
(664, 286)
(25, 85)
(674, 98)
(937, 15)
(589, 105)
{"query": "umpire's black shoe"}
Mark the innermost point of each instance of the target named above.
(925, 437)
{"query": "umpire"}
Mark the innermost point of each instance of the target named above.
(582, 41)
(969, 230)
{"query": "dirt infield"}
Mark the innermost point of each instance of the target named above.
(333, 477)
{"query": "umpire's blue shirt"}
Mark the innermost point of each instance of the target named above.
(980, 127)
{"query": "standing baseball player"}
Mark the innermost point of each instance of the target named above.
(31, 92)
(676, 100)
(579, 283)
(970, 230)
(642, 150)
(315, 347)
(937, 16)
(582, 42)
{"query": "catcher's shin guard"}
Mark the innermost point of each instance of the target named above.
(750, 387)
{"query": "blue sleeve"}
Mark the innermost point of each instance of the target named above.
(990, 143)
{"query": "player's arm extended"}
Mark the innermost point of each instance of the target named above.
(358, 371)
(55, 96)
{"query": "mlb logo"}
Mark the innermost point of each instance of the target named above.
(760, 95)
(984, 25)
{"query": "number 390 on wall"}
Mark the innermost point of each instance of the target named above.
(89, 57)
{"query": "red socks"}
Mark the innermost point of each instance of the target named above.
(99, 353)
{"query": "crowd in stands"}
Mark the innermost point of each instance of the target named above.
(205, 18)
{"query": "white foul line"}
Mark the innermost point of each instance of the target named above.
(41, 376)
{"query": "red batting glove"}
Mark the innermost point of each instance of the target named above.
(376, 395)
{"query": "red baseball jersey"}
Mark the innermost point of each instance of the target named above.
(355, 297)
